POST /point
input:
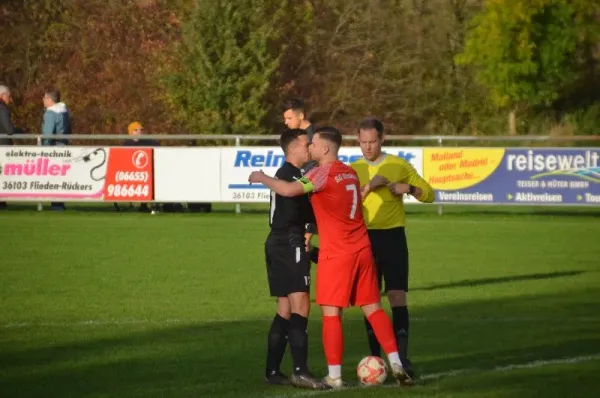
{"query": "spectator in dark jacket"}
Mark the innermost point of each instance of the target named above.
(6, 125)
(137, 130)
(295, 117)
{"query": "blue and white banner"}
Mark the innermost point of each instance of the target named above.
(514, 176)
(238, 162)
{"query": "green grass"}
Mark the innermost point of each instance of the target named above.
(101, 304)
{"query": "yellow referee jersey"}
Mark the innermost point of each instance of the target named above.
(382, 209)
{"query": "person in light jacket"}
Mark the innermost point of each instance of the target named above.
(57, 119)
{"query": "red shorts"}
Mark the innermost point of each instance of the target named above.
(347, 280)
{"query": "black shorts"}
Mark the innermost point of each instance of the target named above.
(391, 257)
(288, 268)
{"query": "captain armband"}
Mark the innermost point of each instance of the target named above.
(307, 186)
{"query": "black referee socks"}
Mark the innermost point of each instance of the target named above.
(298, 339)
(400, 318)
(278, 337)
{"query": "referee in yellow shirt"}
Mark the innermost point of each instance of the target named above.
(385, 179)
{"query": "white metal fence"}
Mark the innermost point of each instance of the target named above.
(237, 140)
(416, 145)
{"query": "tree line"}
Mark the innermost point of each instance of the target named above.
(472, 67)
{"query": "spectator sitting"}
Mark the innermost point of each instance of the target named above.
(136, 129)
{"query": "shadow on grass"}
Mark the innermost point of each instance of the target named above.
(129, 208)
(493, 281)
(504, 279)
(429, 210)
(227, 358)
(178, 360)
(504, 210)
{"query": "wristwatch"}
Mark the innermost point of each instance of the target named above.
(311, 228)
(412, 189)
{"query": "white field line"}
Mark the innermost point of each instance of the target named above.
(122, 322)
(460, 372)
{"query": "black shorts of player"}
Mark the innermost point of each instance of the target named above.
(288, 267)
(391, 257)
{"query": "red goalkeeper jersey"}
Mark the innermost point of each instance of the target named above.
(336, 202)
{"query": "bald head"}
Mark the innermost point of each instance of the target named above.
(4, 94)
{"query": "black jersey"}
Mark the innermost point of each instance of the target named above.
(310, 131)
(289, 216)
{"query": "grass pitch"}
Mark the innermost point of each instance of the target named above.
(101, 304)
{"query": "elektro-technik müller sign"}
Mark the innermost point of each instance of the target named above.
(76, 174)
(519, 176)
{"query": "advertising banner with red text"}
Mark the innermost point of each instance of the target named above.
(75, 174)
(129, 175)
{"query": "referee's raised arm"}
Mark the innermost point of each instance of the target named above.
(384, 180)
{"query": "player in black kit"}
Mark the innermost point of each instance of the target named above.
(288, 269)
(295, 117)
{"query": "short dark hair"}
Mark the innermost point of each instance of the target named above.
(330, 134)
(296, 104)
(288, 136)
(54, 95)
(371, 123)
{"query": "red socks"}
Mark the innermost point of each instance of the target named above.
(384, 331)
(333, 339)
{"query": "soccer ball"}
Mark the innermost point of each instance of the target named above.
(371, 371)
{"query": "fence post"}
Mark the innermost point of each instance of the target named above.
(238, 206)
(440, 209)
(39, 143)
